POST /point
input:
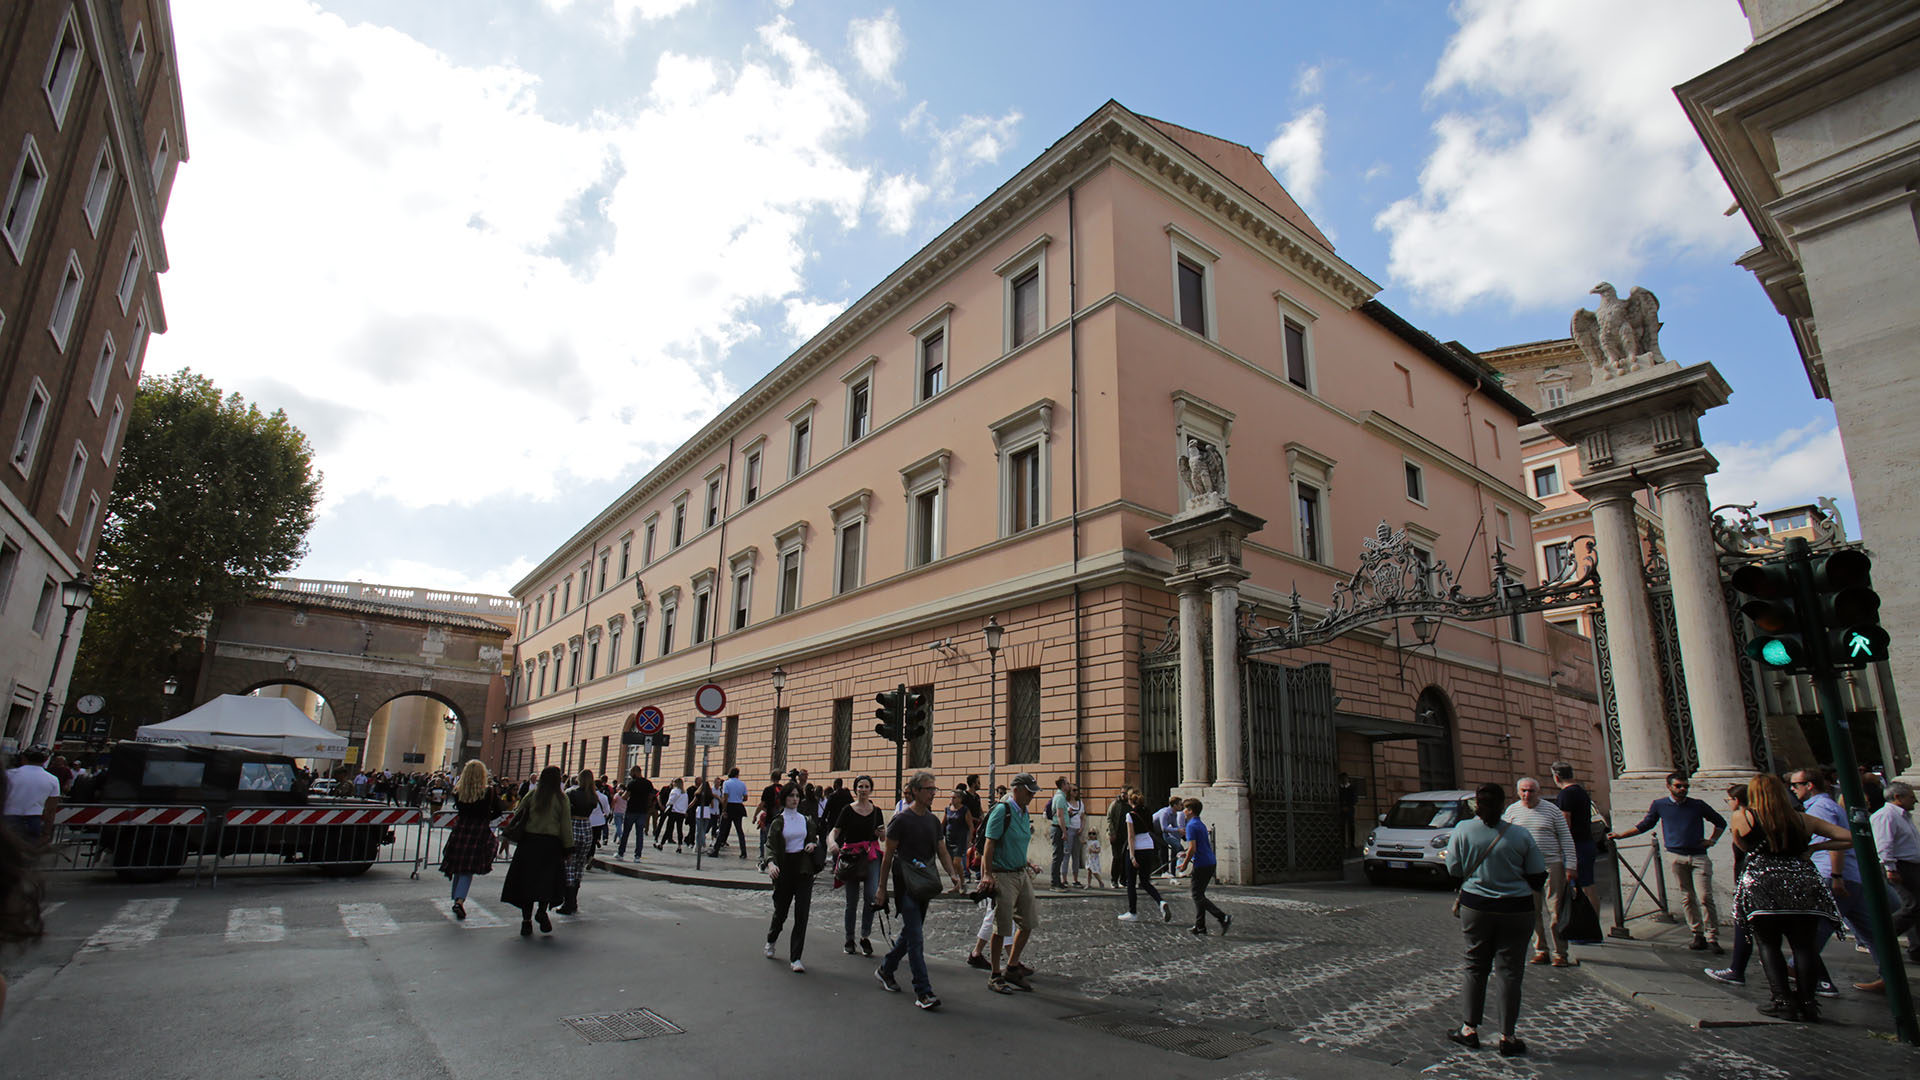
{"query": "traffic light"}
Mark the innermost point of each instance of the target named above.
(1849, 609)
(1779, 642)
(913, 717)
(889, 714)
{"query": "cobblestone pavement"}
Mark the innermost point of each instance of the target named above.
(1372, 973)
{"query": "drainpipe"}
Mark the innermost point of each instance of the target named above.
(1073, 361)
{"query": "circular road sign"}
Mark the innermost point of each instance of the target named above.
(649, 720)
(710, 699)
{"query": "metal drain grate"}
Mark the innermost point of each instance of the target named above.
(622, 1026)
(1189, 1039)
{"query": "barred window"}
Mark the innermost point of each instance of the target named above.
(1023, 715)
(842, 734)
(779, 740)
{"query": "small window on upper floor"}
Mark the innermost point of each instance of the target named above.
(76, 478)
(1024, 303)
(23, 198)
(137, 347)
(1553, 396)
(646, 551)
(1555, 559)
(129, 275)
(1546, 481)
(66, 301)
(933, 364)
(800, 443)
(859, 410)
(137, 52)
(1416, 483)
(1193, 264)
(111, 444)
(1505, 521)
(712, 515)
(87, 523)
(100, 186)
(63, 69)
(679, 522)
(26, 442)
(1193, 296)
(606, 558)
(161, 156)
(9, 566)
(1025, 294)
(102, 374)
(750, 485)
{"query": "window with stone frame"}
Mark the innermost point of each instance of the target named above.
(790, 547)
(1310, 478)
(669, 613)
(1023, 444)
(1023, 280)
(616, 627)
(850, 540)
(593, 654)
(800, 439)
(859, 401)
(750, 480)
(702, 606)
(714, 499)
(925, 486)
(24, 194)
(1193, 266)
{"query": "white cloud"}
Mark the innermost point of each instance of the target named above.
(1567, 159)
(877, 44)
(971, 142)
(1309, 81)
(495, 580)
(1296, 154)
(1794, 467)
(475, 300)
(806, 318)
(620, 18)
(897, 198)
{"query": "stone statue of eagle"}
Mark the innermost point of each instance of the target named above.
(1624, 335)
(1203, 471)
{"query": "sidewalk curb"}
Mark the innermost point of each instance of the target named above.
(677, 878)
(1661, 995)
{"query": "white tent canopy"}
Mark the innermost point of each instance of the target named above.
(274, 725)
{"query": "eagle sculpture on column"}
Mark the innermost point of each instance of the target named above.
(1624, 335)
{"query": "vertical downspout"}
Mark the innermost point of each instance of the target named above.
(1073, 355)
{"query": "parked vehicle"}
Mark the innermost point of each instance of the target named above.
(1410, 843)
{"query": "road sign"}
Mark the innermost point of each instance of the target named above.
(706, 731)
(648, 721)
(710, 699)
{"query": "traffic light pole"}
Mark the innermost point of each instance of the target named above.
(900, 748)
(1840, 735)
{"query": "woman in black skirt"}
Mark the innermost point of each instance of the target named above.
(470, 843)
(537, 877)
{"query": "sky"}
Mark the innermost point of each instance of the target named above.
(497, 258)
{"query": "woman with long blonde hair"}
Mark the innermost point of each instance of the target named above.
(470, 843)
(1779, 894)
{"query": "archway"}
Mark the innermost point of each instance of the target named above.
(1438, 768)
(311, 702)
(416, 731)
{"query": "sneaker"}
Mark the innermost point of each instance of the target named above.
(1128, 916)
(926, 1001)
(1166, 911)
(769, 953)
(999, 985)
(975, 960)
(1726, 975)
(866, 946)
(1226, 923)
(848, 948)
(799, 968)
(1197, 931)
(887, 982)
(1826, 989)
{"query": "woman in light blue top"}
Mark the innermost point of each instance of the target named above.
(1501, 868)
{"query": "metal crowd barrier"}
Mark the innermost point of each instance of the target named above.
(150, 843)
(155, 843)
(436, 834)
(1656, 891)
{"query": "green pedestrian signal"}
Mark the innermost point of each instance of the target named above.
(1849, 609)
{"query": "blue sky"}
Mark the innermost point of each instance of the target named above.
(478, 310)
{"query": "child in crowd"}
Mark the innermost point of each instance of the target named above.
(1093, 862)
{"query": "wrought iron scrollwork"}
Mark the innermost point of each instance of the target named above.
(1743, 536)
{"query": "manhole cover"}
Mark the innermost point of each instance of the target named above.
(1189, 1039)
(622, 1026)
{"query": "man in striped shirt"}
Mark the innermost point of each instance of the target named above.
(1549, 828)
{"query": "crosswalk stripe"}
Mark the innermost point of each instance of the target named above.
(255, 924)
(645, 911)
(478, 918)
(368, 920)
(47, 910)
(137, 923)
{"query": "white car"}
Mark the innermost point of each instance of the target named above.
(1411, 839)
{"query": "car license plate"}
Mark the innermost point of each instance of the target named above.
(1395, 864)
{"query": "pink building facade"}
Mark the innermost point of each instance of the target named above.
(991, 432)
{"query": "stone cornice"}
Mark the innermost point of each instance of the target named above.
(1112, 133)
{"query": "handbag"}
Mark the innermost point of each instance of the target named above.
(1476, 865)
(919, 880)
(515, 830)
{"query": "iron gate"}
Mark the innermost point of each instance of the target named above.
(1290, 756)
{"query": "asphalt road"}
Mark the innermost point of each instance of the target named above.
(278, 974)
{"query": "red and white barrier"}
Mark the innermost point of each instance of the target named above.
(266, 815)
(95, 816)
(444, 819)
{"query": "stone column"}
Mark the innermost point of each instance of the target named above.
(1706, 638)
(1196, 764)
(1229, 766)
(1646, 752)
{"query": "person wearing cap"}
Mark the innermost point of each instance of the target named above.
(1004, 870)
(33, 796)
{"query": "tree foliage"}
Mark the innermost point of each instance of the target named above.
(213, 499)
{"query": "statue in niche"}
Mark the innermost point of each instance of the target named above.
(1623, 336)
(1204, 472)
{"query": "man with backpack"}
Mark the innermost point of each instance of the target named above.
(1004, 871)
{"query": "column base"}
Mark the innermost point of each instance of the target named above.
(1230, 811)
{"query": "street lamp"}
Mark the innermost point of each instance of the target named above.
(993, 635)
(779, 675)
(1424, 626)
(447, 756)
(168, 689)
(76, 596)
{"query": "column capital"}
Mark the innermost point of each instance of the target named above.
(1622, 489)
(1689, 470)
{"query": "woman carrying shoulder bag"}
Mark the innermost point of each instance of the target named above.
(470, 845)
(537, 877)
(1501, 869)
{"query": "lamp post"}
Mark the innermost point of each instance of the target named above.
(76, 596)
(446, 756)
(503, 752)
(168, 689)
(993, 634)
(779, 689)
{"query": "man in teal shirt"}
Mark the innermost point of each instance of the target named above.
(1004, 869)
(1057, 831)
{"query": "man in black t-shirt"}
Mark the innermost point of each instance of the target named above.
(913, 835)
(639, 804)
(1577, 807)
(769, 806)
(970, 797)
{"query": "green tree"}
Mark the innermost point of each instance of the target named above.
(214, 498)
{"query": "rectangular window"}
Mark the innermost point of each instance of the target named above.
(160, 158)
(1296, 340)
(102, 374)
(9, 566)
(639, 640)
(586, 580)
(933, 364)
(1193, 296)
(43, 612)
(99, 187)
(1493, 438)
(26, 442)
(679, 523)
(920, 750)
(111, 444)
(667, 614)
(63, 70)
(1505, 521)
(593, 659)
(752, 486)
(626, 557)
(1406, 382)
(538, 604)
(1023, 715)
(702, 602)
(137, 347)
(137, 52)
(604, 741)
(573, 667)
(1555, 559)
(613, 648)
(802, 454)
(86, 526)
(1416, 483)
(859, 408)
(66, 302)
(926, 526)
(1026, 307)
(789, 581)
(688, 764)
(76, 476)
(1309, 499)
(742, 596)
(647, 555)
(1546, 481)
(847, 575)
(1553, 396)
(129, 275)
(553, 609)
(780, 717)
(713, 503)
(842, 755)
(1025, 466)
(566, 596)
(23, 197)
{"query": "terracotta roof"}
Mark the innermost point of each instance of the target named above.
(382, 609)
(1239, 163)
